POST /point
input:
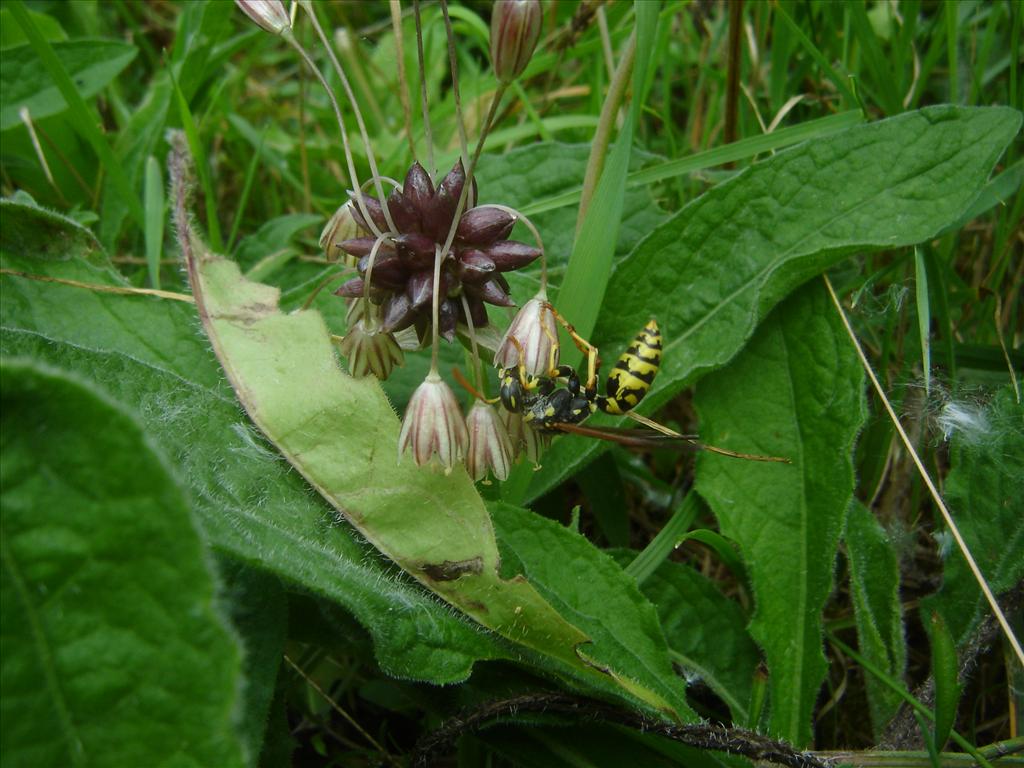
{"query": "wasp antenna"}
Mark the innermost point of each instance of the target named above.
(693, 439)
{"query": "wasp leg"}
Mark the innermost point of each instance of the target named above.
(527, 381)
(584, 346)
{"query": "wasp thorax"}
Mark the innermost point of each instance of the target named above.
(396, 266)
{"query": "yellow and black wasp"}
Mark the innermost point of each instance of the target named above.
(548, 405)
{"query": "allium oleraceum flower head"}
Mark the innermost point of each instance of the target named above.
(269, 14)
(402, 274)
(489, 445)
(534, 329)
(433, 424)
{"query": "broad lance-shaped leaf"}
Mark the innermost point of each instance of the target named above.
(794, 391)
(114, 653)
(706, 631)
(714, 270)
(985, 495)
(592, 591)
(251, 506)
(874, 582)
(341, 434)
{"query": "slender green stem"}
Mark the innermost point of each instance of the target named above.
(431, 167)
(454, 67)
(472, 167)
(307, 6)
(403, 80)
(353, 176)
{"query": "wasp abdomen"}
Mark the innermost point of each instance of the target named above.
(634, 372)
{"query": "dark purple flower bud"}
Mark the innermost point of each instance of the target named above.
(515, 28)
(474, 266)
(374, 208)
(492, 293)
(482, 226)
(448, 317)
(418, 250)
(403, 213)
(418, 189)
(508, 255)
(388, 270)
(420, 288)
(361, 246)
(442, 207)
(397, 314)
(351, 289)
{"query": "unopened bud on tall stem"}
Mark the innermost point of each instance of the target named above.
(515, 28)
(269, 14)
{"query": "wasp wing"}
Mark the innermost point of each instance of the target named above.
(632, 438)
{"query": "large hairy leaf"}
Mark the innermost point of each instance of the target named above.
(874, 582)
(591, 590)
(151, 355)
(341, 434)
(794, 391)
(716, 268)
(985, 495)
(113, 651)
(706, 631)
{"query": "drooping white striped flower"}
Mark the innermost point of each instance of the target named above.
(433, 424)
(536, 333)
(370, 351)
(489, 445)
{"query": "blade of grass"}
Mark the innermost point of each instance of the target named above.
(837, 80)
(899, 688)
(885, 81)
(951, 49)
(661, 546)
(924, 319)
(740, 150)
(85, 119)
(586, 276)
(243, 200)
(198, 152)
(154, 199)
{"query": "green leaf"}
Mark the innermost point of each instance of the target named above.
(259, 612)
(945, 668)
(706, 632)
(794, 391)
(985, 495)
(92, 64)
(874, 583)
(11, 35)
(113, 652)
(589, 589)
(249, 504)
(714, 270)
(341, 434)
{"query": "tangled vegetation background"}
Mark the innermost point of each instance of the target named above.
(210, 554)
